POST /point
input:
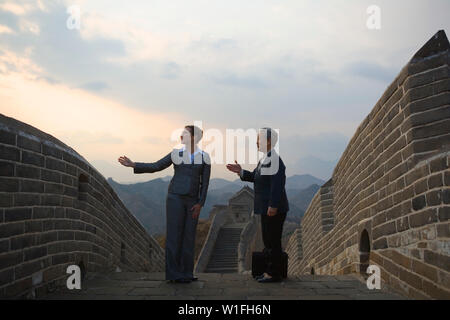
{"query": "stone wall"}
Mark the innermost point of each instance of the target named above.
(295, 251)
(390, 191)
(251, 241)
(57, 210)
(240, 206)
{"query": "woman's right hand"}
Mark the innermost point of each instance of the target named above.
(126, 162)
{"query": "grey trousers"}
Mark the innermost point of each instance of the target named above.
(180, 236)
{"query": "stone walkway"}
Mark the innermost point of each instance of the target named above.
(133, 285)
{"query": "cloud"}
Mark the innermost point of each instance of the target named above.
(156, 140)
(139, 43)
(27, 26)
(210, 42)
(325, 145)
(9, 20)
(247, 81)
(96, 127)
(17, 9)
(5, 29)
(308, 68)
(170, 70)
(89, 137)
(315, 166)
(19, 64)
(371, 71)
(95, 86)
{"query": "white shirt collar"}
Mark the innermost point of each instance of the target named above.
(264, 157)
(196, 150)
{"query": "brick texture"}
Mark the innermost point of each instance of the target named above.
(393, 181)
(47, 225)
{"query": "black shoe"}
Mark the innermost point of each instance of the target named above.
(267, 280)
(194, 279)
(259, 277)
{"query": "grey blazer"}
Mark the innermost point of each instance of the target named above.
(188, 179)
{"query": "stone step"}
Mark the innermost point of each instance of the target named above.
(218, 267)
(229, 232)
(225, 252)
(223, 259)
(223, 256)
(232, 234)
(222, 265)
(222, 270)
(226, 245)
(237, 236)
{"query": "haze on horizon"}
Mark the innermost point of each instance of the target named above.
(133, 73)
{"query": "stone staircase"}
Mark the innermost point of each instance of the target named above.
(224, 258)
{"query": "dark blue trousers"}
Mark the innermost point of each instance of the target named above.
(180, 236)
(272, 229)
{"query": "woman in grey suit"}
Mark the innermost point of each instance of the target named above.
(185, 198)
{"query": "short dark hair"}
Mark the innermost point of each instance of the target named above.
(196, 132)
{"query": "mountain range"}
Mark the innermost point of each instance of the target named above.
(146, 200)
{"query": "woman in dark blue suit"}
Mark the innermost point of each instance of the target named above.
(185, 198)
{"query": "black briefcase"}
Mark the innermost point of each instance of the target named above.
(259, 264)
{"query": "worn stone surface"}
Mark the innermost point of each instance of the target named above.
(213, 286)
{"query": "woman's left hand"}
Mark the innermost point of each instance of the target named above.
(196, 210)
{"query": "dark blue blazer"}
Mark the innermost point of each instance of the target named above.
(269, 189)
(190, 179)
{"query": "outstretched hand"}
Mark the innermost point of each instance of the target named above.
(236, 168)
(196, 210)
(126, 162)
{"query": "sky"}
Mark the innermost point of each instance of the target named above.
(131, 72)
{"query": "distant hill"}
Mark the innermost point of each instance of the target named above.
(147, 200)
(303, 197)
(315, 166)
(302, 181)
